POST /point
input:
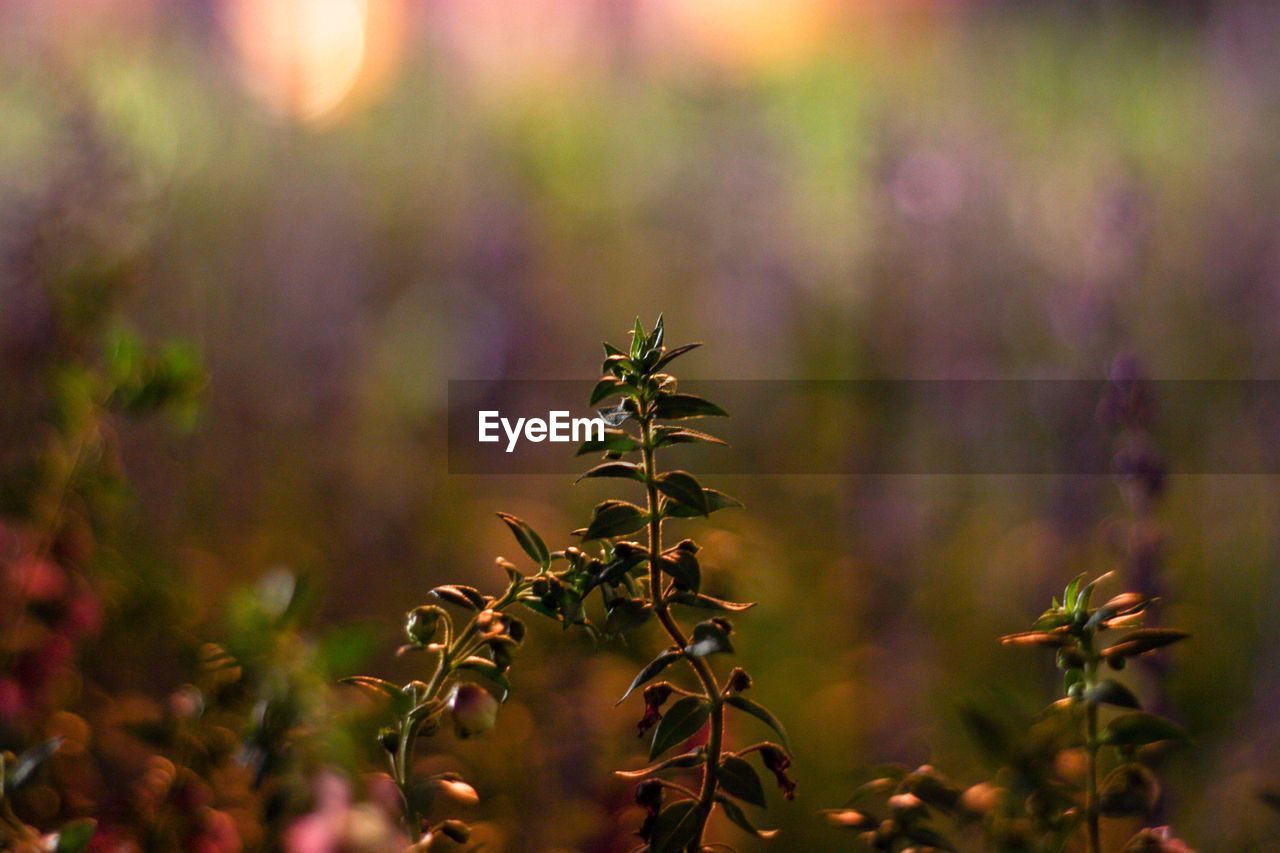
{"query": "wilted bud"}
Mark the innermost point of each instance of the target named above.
(655, 696)
(739, 680)
(649, 797)
(474, 710)
(776, 761)
(389, 738)
(421, 623)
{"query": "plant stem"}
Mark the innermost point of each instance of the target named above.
(1091, 744)
(706, 795)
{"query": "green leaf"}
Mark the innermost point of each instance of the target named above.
(651, 669)
(654, 340)
(76, 835)
(615, 518)
(683, 488)
(623, 470)
(1144, 640)
(681, 722)
(1111, 692)
(672, 354)
(761, 713)
(715, 501)
(606, 388)
(1070, 593)
(400, 701)
(738, 778)
(706, 602)
(676, 827)
(626, 614)
(675, 407)
(709, 638)
(638, 339)
(463, 596)
(680, 762)
(665, 436)
(1139, 728)
(610, 349)
(528, 539)
(735, 813)
(684, 567)
(614, 441)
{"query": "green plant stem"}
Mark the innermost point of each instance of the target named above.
(706, 795)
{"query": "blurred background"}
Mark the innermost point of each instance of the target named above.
(339, 205)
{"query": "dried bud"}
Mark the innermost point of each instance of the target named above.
(655, 696)
(739, 680)
(724, 624)
(420, 624)
(776, 761)
(474, 710)
(649, 797)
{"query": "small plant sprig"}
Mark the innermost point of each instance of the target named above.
(1032, 804)
(467, 685)
(643, 581)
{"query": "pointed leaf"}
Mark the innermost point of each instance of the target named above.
(738, 778)
(650, 670)
(666, 436)
(680, 762)
(76, 835)
(654, 340)
(638, 338)
(528, 539)
(607, 387)
(706, 602)
(1144, 640)
(672, 354)
(26, 764)
(615, 518)
(715, 501)
(621, 470)
(626, 614)
(735, 813)
(761, 713)
(400, 701)
(681, 722)
(683, 488)
(1112, 692)
(463, 596)
(676, 827)
(674, 407)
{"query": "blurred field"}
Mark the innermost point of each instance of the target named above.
(343, 205)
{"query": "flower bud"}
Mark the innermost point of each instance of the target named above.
(776, 761)
(655, 696)
(420, 624)
(739, 680)
(389, 738)
(474, 710)
(455, 830)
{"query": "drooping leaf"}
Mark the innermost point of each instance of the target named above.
(680, 762)
(1144, 640)
(528, 539)
(709, 638)
(463, 596)
(676, 827)
(716, 500)
(1139, 728)
(622, 470)
(665, 436)
(400, 701)
(674, 407)
(650, 670)
(735, 813)
(76, 835)
(614, 441)
(706, 602)
(1111, 692)
(738, 778)
(761, 713)
(685, 490)
(672, 354)
(615, 518)
(681, 722)
(626, 614)
(683, 567)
